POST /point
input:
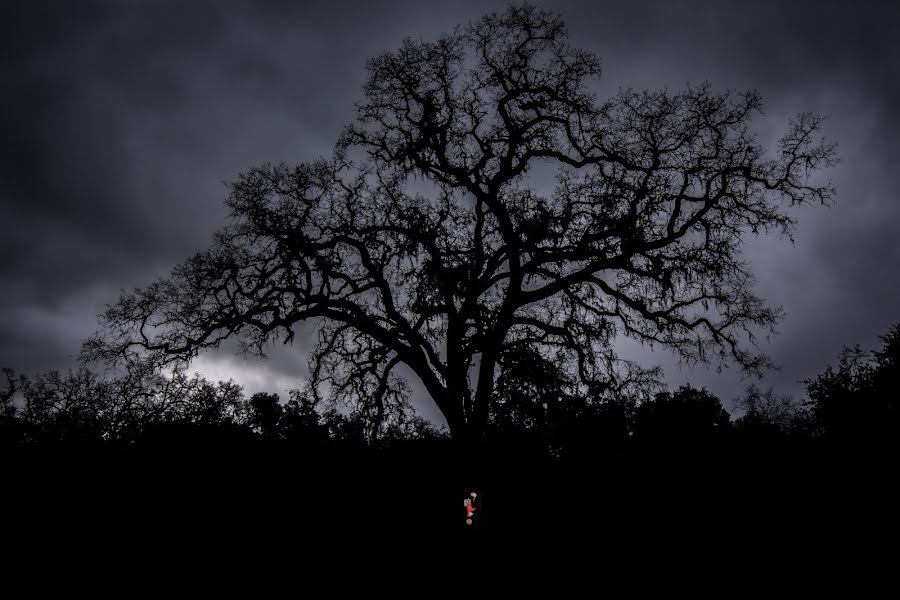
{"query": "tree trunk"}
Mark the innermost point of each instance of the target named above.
(470, 457)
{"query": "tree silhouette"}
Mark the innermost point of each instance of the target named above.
(527, 391)
(428, 241)
(766, 409)
(856, 404)
(689, 415)
(265, 413)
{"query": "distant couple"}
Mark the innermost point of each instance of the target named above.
(472, 504)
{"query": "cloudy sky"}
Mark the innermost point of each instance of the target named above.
(121, 119)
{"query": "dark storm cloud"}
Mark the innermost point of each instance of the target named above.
(120, 120)
(837, 284)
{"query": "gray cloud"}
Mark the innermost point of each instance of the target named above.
(119, 122)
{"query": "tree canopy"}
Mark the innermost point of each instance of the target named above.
(429, 240)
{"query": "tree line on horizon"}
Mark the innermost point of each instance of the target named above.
(852, 402)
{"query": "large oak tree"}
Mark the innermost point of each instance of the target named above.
(485, 204)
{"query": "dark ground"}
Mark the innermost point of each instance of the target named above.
(274, 500)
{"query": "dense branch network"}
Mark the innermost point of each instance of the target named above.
(430, 240)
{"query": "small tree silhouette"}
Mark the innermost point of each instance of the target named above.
(265, 413)
(856, 405)
(425, 242)
(766, 409)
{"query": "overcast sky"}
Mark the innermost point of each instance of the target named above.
(120, 120)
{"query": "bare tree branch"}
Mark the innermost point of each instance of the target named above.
(421, 242)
